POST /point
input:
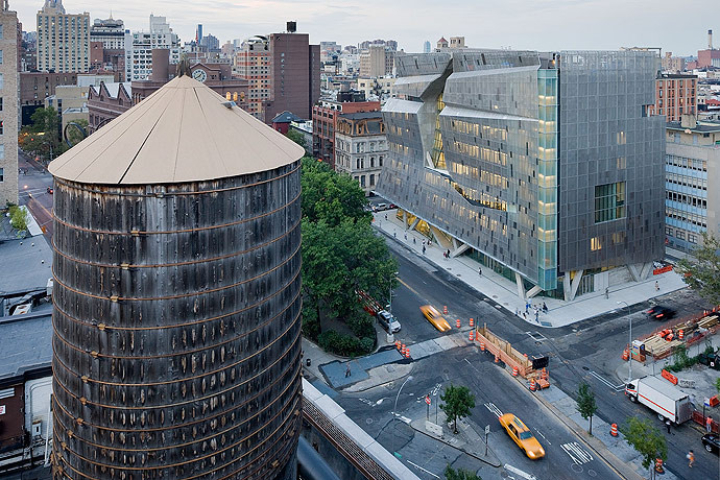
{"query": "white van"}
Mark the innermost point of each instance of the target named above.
(388, 321)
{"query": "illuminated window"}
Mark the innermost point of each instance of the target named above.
(609, 202)
(595, 244)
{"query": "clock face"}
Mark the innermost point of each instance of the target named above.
(199, 75)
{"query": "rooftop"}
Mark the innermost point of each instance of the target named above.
(25, 343)
(25, 265)
(184, 132)
(361, 115)
(287, 117)
(705, 127)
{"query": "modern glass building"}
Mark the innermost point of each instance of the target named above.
(546, 166)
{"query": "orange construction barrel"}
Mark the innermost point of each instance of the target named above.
(614, 430)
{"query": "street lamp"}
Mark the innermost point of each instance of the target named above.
(398, 394)
(629, 341)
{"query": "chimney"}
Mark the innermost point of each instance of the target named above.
(710, 39)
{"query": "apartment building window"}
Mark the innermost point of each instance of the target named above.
(2, 175)
(692, 238)
(2, 81)
(609, 202)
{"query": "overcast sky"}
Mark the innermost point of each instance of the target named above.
(520, 24)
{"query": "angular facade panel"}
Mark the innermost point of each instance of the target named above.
(493, 143)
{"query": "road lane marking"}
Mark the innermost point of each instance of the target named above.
(494, 409)
(422, 469)
(517, 471)
(537, 336)
(409, 287)
(544, 437)
(576, 453)
(617, 388)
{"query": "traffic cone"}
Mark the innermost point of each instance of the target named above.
(482, 345)
(497, 358)
(398, 344)
(457, 323)
(614, 430)
(626, 355)
(532, 385)
(472, 323)
(445, 309)
(681, 334)
(407, 353)
(659, 465)
(402, 349)
(515, 371)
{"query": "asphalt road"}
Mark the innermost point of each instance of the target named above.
(33, 193)
(588, 351)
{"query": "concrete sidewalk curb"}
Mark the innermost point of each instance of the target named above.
(466, 452)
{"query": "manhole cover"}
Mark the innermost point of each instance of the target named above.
(369, 421)
(585, 368)
(592, 473)
(576, 468)
(494, 296)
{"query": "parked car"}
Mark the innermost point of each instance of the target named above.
(712, 360)
(522, 436)
(658, 312)
(388, 321)
(392, 206)
(434, 317)
(711, 442)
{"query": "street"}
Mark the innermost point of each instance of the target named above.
(33, 185)
(588, 351)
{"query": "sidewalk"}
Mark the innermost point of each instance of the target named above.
(504, 292)
(468, 440)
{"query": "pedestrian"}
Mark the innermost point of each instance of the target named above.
(406, 236)
(657, 286)
(607, 293)
(545, 309)
(348, 372)
(691, 457)
(423, 249)
(537, 316)
(414, 241)
(480, 271)
(527, 307)
(668, 424)
(386, 216)
(708, 425)
(525, 315)
(395, 234)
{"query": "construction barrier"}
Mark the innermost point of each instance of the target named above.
(457, 323)
(472, 323)
(471, 335)
(445, 309)
(614, 430)
(515, 371)
(498, 347)
(626, 355)
(669, 377)
(681, 335)
(532, 385)
(659, 465)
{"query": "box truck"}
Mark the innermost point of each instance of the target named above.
(662, 397)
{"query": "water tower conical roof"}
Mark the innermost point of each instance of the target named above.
(184, 132)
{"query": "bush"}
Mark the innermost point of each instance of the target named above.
(344, 345)
(18, 218)
(310, 321)
(362, 326)
(682, 360)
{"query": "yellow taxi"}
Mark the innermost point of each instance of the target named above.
(521, 435)
(435, 318)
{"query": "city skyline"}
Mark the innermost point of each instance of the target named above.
(516, 24)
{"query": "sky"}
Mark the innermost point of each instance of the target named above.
(517, 24)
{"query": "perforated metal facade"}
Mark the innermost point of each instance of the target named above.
(503, 151)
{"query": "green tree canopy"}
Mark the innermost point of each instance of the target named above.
(645, 439)
(586, 403)
(702, 270)
(458, 402)
(460, 474)
(43, 135)
(296, 137)
(330, 196)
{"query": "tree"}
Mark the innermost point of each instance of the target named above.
(646, 440)
(702, 270)
(296, 137)
(586, 403)
(458, 402)
(19, 219)
(42, 137)
(460, 474)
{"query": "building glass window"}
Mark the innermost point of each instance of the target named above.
(2, 174)
(609, 202)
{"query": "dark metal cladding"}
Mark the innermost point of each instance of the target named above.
(177, 329)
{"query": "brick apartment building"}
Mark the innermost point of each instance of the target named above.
(324, 117)
(675, 95)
